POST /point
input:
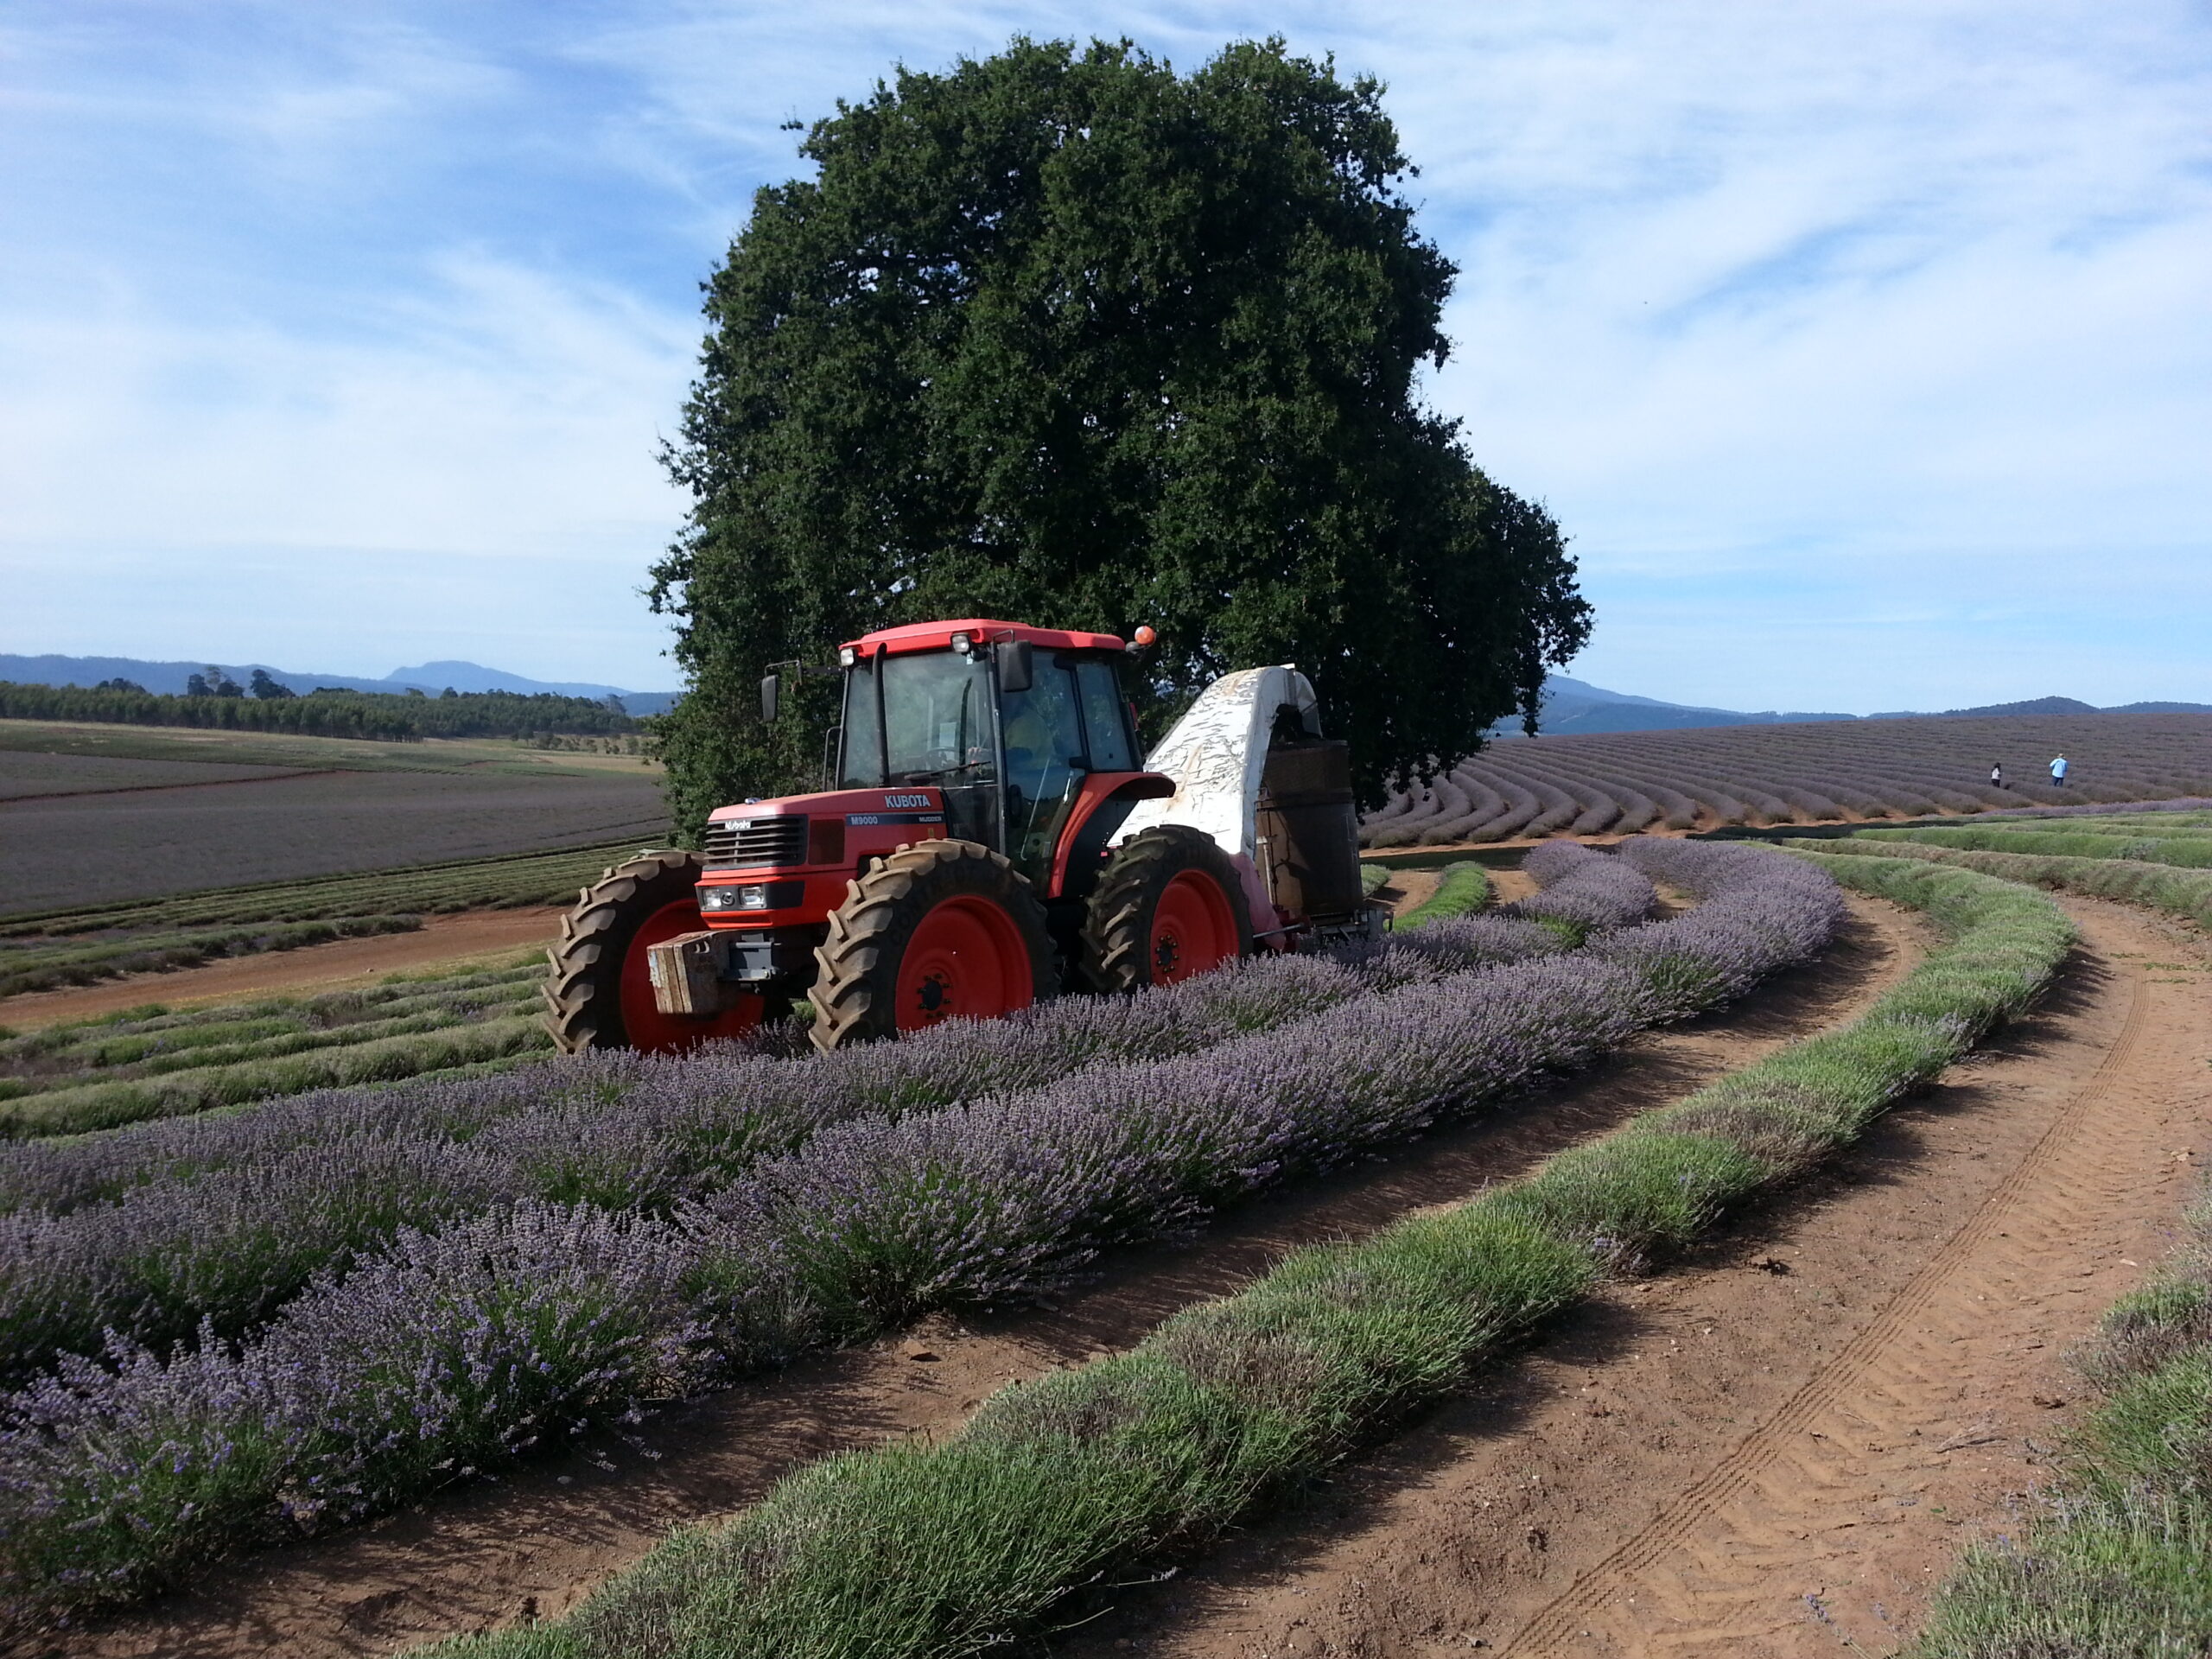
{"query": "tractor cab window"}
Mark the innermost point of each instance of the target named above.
(930, 724)
(861, 766)
(1042, 730)
(1105, 715)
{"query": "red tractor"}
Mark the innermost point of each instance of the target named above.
(989, 837)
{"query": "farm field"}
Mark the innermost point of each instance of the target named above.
(1644, 1414)
(1809, 773)
(78, 835)
(291, 752)
(1360, 1564)
(546, 1533)
(33, 774)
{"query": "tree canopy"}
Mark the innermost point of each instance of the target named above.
(1063, 337)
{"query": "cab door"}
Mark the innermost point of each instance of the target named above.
(1041, 732)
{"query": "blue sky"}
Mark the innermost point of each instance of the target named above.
(1865, 350)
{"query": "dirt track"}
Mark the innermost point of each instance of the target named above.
(313, 968)
(1775, 1449)
(534, 1545)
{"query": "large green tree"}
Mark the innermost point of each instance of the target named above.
(1063, 337)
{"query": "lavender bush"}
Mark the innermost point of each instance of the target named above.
(1583, 891)
(2106, 809)
(153, 1231)
(444, 1350)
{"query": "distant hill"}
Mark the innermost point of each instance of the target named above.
(2037, 705)
(430, 677)
(1572, 707)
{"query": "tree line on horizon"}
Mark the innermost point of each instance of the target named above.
(325, 712)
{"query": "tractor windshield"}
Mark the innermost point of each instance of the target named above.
(929, 723)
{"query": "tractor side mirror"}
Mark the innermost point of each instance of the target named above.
(769, 690)
(1016, 665)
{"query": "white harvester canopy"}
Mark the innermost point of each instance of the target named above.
(1217, 752)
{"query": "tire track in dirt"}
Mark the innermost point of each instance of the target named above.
(534, 1544)
(1775, 1448)
(1735, 1527)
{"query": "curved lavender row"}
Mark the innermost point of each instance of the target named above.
(1584, 890)
(1025, 1050)
(1709, 956)
(2100, 809)
(230, 1243)
(441, 1353)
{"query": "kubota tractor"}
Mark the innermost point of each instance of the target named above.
(987, 836)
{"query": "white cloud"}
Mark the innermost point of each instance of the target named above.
(1818, 324)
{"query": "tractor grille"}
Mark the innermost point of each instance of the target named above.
(757, 844)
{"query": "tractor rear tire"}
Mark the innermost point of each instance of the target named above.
(1169, 904)
(599, 993)
(940, 930)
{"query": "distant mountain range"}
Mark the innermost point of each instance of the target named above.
(429, 677)
(1571, 706)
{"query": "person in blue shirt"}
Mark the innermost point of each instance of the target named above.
(2058, 771)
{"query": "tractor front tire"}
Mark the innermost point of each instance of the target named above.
(1169, 904)
(940, 930)
(600, 994)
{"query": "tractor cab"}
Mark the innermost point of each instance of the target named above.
(987, 836)
(1010, 724)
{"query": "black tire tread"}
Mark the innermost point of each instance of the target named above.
(854, 965)
(1117, 925)
(582, 990)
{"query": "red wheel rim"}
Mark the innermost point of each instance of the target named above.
(1192, 929)
(966, 960)
(643, 1022)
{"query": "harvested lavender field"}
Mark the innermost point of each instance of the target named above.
(81, 849)
(1802, 774)
(81, 946)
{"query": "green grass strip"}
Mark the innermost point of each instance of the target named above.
(2185, 851)
(1060, 1483)
(1463, 890)
(2181, 893)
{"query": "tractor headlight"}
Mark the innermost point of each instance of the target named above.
(732, 897)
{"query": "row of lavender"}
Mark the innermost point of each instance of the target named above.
(1617, 784)
(153, 1231)
(445, 1352)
